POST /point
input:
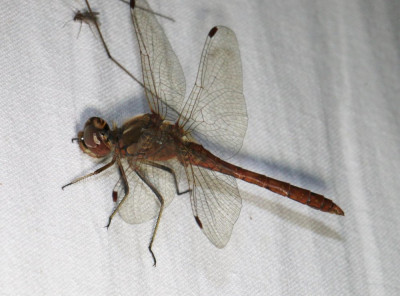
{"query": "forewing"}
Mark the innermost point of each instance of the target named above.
(215, 112)
(162, 73)
(142, 204)
(216, 203)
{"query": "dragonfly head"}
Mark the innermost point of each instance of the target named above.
(94, 139)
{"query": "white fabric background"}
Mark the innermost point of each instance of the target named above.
(321, 80)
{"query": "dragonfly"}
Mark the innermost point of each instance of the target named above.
(154, 151)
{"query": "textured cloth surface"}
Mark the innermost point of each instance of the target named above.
(322, 85)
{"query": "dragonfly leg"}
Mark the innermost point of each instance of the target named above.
(161, 199)
(123, 175)
(107, 50)
(98, 171)
(171, 171)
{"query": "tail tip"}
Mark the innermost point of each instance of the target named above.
(337, 210)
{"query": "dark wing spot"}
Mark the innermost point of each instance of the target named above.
(198, 222)
(212, 32)
(115, 196)
(133, 4)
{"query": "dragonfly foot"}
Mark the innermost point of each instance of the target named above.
(108, 224)
(183, 192)
(66, 186)
(154, 257)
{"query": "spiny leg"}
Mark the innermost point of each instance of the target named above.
(98, 171)
(108, 52)
(123, 175)
(171, 171)
(161, 200)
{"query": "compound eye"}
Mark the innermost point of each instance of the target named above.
(95, 137)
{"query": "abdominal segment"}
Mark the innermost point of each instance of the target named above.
(202, 157)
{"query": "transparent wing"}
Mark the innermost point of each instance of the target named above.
(215, 112)
(142, 204)
(162, 73)
(216, 203)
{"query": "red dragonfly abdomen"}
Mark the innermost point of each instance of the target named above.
(203, 158)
